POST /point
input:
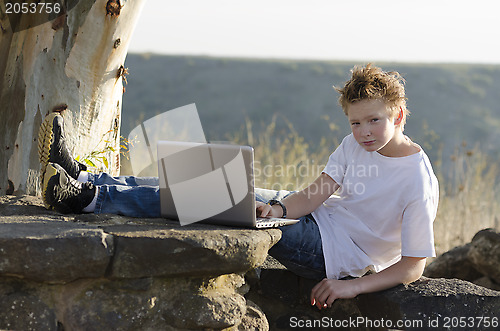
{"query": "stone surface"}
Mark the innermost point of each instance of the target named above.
(52, 251)
(190, 251)
(477, 261)
(485, 253)
(284, 297)
(153, 303)
(255, 319)
(45, 246)
(432, 300)
(21, 308)
(453, 264)
(107, 272)
(487, 282)
(128, 304)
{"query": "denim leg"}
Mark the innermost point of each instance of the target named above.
(105, 179)
(133, 201)
(300, 249)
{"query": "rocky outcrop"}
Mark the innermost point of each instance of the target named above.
(484, 254)
(453, 264)
(106, 272)
(477, 261)
(425, 304)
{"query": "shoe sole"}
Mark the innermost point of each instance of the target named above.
(45, 140)
(50, 171)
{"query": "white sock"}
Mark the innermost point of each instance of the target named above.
(83, 177)
(91, 207)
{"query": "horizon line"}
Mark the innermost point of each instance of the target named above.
(304, 59)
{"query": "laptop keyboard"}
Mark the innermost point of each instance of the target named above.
(273, 222)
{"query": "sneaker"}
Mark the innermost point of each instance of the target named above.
(63, 193)
(52, 147)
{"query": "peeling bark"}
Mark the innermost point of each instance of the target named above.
(68, 64)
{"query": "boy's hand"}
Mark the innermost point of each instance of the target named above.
(328, 290)
(405, 271)
(265, 210)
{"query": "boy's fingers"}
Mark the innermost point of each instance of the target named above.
(262, 211)
(313, 298)
(322, 295)
(316, 294)
(258, 207)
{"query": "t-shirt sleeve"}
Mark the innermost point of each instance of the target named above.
(337, 162)
(417, 234)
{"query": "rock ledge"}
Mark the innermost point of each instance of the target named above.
(110, 272)
(106, 272)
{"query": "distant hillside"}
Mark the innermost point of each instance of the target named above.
(456, 102)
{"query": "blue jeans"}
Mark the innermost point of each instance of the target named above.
(300, 248)
(127, 195)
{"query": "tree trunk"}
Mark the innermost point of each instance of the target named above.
(72, 63)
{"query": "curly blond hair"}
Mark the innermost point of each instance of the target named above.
(371, 82)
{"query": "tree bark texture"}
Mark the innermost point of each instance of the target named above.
(72, 64)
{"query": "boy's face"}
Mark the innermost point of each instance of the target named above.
(372, 124)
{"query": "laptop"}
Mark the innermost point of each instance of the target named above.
(209, 183)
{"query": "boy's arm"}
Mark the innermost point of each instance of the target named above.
(407, 270)
(303, 202)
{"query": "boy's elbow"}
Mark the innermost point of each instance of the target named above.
(415, 268)
(414, 276)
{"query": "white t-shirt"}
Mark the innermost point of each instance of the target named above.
(385, 209)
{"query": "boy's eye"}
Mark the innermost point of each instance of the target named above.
(375, 120)
(354, 123)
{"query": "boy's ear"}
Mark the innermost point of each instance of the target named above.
(398, 119)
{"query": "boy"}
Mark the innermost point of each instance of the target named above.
(382, 221)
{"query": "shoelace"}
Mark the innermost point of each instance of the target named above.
(68, 190)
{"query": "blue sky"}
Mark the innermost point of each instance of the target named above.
(360, 30)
